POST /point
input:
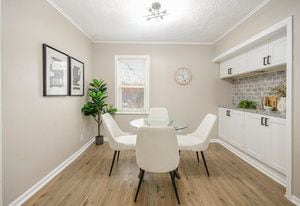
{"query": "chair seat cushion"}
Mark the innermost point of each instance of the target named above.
(188, 142)
(126, 142)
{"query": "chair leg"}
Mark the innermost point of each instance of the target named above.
(142, 172)
(197, 153)
(113, 161)
(172, 175)
(202, 154)
(118, 156)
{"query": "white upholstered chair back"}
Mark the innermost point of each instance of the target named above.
(204, 130)
(158, 116)
(157, 149)
(112, 130)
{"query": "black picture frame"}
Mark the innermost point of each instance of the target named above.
(58, 83)
(76, 87)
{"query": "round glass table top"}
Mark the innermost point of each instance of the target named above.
(143, 122)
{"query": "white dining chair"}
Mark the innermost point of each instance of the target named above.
(157, 152)
(117, 139)
(198, 140)
(158, 116)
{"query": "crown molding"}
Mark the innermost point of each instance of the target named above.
(70, 19)
(150, 42)
(256, 9)
(261, 5)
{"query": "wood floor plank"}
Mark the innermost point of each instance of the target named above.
(232, 182)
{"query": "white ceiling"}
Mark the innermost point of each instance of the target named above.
(189, 21)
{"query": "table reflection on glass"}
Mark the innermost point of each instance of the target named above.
(143, 122)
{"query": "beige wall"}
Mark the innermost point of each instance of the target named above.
(273, 12)
(187, 103)
(39, 132)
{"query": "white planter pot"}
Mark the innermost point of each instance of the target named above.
(281, 105)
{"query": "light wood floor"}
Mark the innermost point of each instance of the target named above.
(232, 182)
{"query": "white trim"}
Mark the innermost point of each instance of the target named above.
(289, 107)
(261, 5)
(1, 136)
(252, 40)
(31, 191)
(150, 42)
(70, 19)
(146, 86)
(295, 200)
(278, 177)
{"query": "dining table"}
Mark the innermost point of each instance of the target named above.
(176, 124)
(144, 122)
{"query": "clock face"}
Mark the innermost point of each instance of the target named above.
(183, 76)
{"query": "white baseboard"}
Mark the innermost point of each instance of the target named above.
(295, 200)
(278, 177)
(26, 195)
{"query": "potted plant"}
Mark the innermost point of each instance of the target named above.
(97, 105)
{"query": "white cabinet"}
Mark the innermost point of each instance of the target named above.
(231, 127)
(237, 123)
(262, 137)
(256, 58)
(239, 64)
(224, 124)
(277, 150)
(234, 66)
(277, 52)
(256, 141)
(263, 57)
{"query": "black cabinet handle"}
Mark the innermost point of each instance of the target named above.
(262, 121)
(267, 122)
(228, 113)
(268, 59)
(228, 71)
(265, 61)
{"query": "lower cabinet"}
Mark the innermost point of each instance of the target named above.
(262, 137)
(231, 127)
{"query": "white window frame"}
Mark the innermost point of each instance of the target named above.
(118, 92)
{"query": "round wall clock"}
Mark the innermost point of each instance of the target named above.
(183, 76)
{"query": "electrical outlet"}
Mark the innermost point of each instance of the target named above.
(81, 137)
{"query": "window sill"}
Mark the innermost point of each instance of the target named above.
(132, 113)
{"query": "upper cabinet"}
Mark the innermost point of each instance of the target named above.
(277, 52)
(233, 67)
(257, 58)
(265, 56)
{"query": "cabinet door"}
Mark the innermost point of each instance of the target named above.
(277, 134)
(256, 141)
(223, 124)
(237, 124)
(239, 64)
(224, 66)
(277, 51)
(255, 58)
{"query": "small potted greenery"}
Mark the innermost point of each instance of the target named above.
(97, 106)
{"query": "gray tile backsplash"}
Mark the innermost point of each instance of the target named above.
(255, 87)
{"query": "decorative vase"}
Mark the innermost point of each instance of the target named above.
(99, 140)
(281, 105)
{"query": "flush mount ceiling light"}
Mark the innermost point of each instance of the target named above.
(155, 12)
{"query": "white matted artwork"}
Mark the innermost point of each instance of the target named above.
(76, 77)
(55, 72)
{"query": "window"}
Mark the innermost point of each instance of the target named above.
(132, 83)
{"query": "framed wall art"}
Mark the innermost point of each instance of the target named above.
(55, 72)
(76, 77)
